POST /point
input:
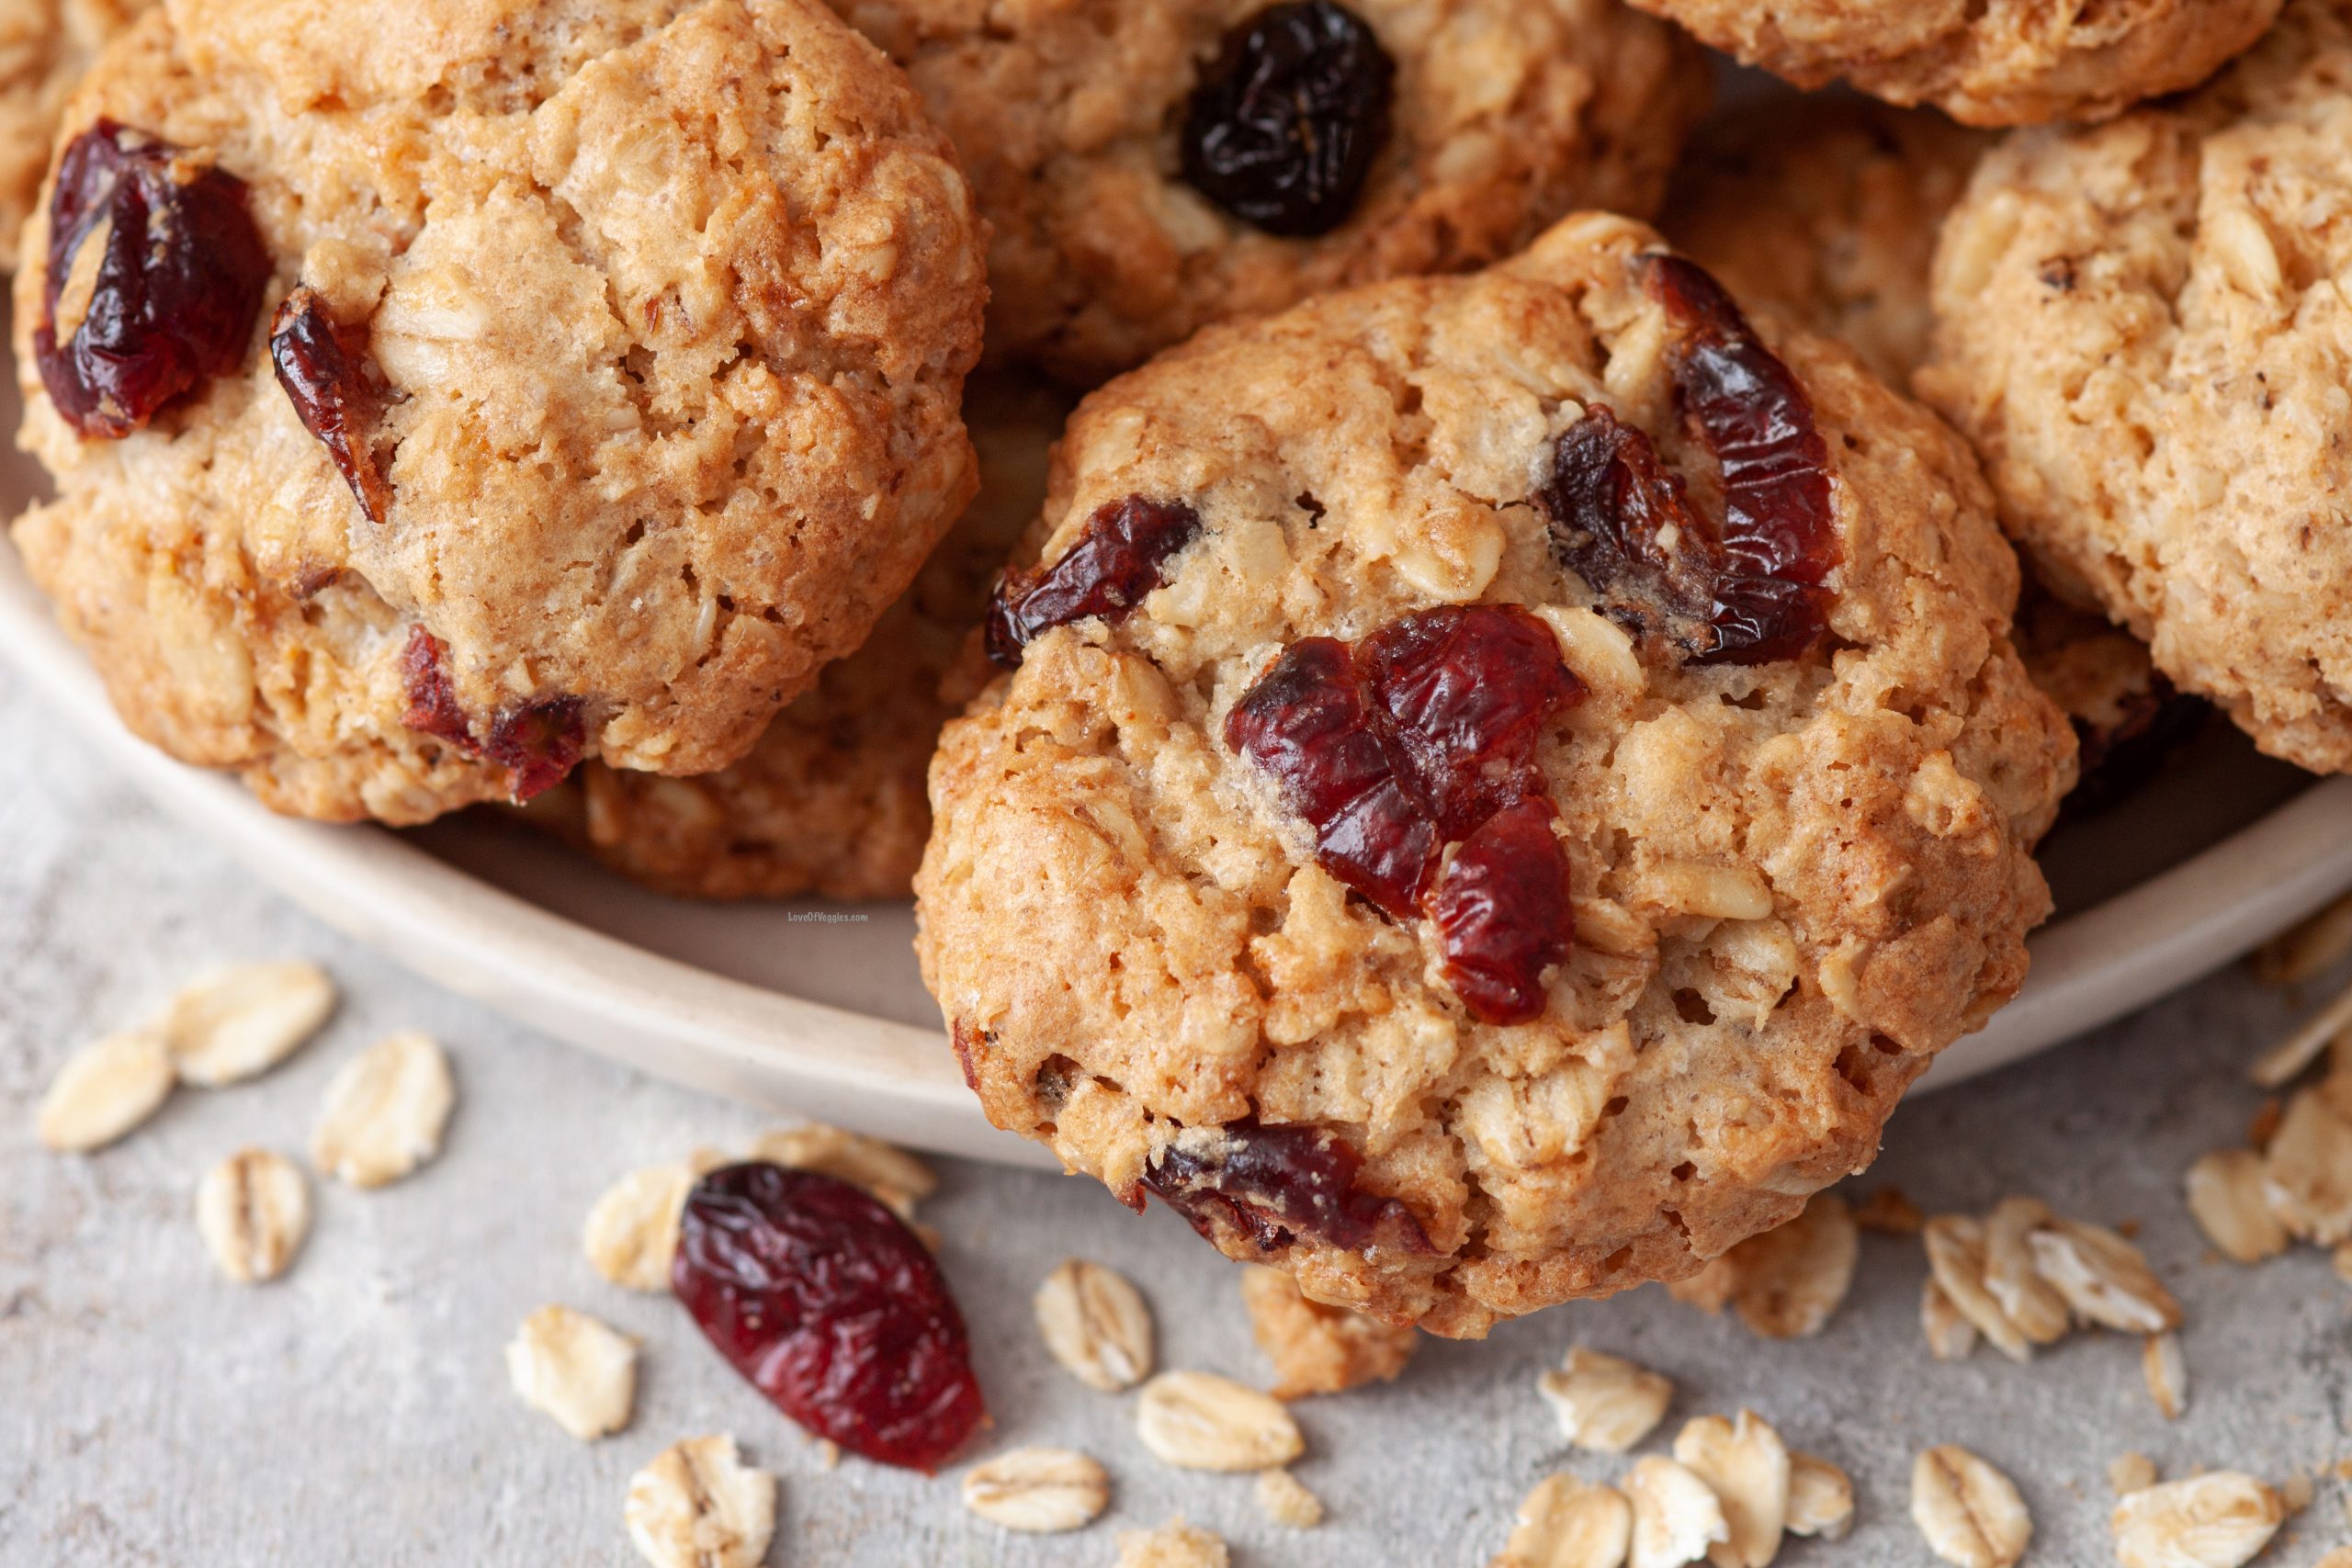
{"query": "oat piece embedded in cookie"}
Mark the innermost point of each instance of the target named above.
(2137, 326)
(1226, 875)
(1154, 165)
(1993, 62)
(832, 800)
(45, 45)
(641, 325)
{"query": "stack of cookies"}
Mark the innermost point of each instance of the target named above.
(1473, 744)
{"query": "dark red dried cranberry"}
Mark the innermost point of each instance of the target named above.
(433, 706)
(538, 744)
(174, 289)
(1422, 735)
(328, 379)
(1264, 1186)
(1749, 591)
(1288, 120)
(1117, 560)
(832, 1308)
(1502, 913)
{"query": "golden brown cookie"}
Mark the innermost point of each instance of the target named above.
(1989, 62)
(2139, 327)
(511, 382)
(45, 45)
(1503, 782)
(832, 800)
(1154, 165)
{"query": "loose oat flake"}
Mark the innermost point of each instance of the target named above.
(2027, 1299)
(1042, 1491)
(1793, 1278)
(384, 1111)
(1950, 1337)
(1201, 1421)
(1747, 1466)
(1821, 1499)
(2285, 1062)
(2220, 1519)
(632, 1233)
(1605, 1403)
(1285, 1500)
(2226, 1198)
(897, 1180)
(2167, 1373)
(2104, 1278)
(1677, 1517)
(254, 1212)
(2308, 948)
(1173, 1545)
(2131, 1473)
(1955, 1246)
(566, 1365)
(2307, 1171)
(1096, 1324)
(240, 1022)
(699, 1505)
(1568, 1523)
(1969, 1512)
(104, 1090)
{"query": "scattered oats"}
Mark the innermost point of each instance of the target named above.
(1793, 1278)
(1747, 1466)
(1044, 1491)
(2219, 1520)
(1950, 1337)
(566, 1365)
(2263, 1125)
(1889, 1212)
(2296, 1491)
(1971, 1514)
(2307, 948)
(1285, 1500)
(240, 1022)
(2285, 1062)
(897, 1180)
(1677, 1517)
(2307, 1174)
(384, 1111)
(2339, 1558)
(2103, 1278)
(254, 1212)
(2010, 1278)
(1096, 1324)
(1318, 1349)
(1201, 1421)
(699, 1505)
(2167, 1373)
(1568, 1523)
(104, 1090)
(2131, 1473)
(1712, 1288)
(1605, 1403)
(1821, 1499)
(1956, 1257)
(1173, 1545)
(632, 1233)
(2227, 1199)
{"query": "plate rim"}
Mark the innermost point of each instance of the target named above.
(789, 1054)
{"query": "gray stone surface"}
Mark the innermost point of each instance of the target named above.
(357, 1413)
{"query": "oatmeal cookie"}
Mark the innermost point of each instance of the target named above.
(512, 381)
(1427, 847)
(2139, 326)
(2127, 717)
(1826, 210)
(45, 45)
(1154, 165)
(832, 800)
(1989, 62)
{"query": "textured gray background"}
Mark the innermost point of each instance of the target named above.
(357, 1413)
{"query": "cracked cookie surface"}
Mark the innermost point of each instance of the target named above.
(667, 308)
(2139, 327)
(1795, 870)
(1502, 115)
(1988, 62)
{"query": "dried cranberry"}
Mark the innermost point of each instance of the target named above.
(174, 289)
(538, 744)
(1117, 560)
(1286, 123)
(1425, 735)
(433, 706)
(328, 380)
(1749, 591)
(1266, 1185)
(832, 1308)
(1502, 913)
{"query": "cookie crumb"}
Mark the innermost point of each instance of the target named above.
(1318, 1349)
(1285, 1500)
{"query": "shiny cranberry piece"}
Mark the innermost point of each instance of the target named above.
(1286, 123)
(829, 1305)
(174, 291)
(538, 744)
(1502, 913)
(1118, 558)
(1264, 1186)
(433, 706)
(1750, 591)
(327, 377)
